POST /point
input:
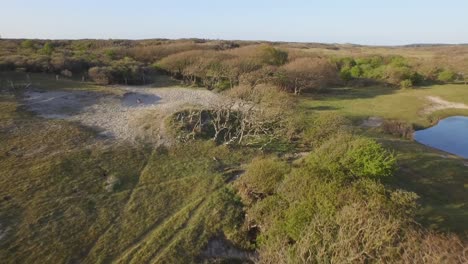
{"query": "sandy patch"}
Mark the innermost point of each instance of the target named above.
(136, 115)
(437, 103)
(373, 121)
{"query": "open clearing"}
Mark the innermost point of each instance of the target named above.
(131, 114)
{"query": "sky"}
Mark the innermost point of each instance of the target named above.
(371, 22)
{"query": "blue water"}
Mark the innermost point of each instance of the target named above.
(449, 135)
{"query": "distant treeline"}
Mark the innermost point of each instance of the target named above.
(217, 64)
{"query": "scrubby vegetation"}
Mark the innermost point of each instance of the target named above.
(332, 207)
(280, 169)
(219, 64)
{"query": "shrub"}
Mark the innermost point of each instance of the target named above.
(100, 75)
(355, 71)
(66, 73)
(398, 128)
(47, 49)
(308, 74)
(446, 76)
(367, 158)
(405, 84)
(404, 202)
(325, 126)
(263, 176)
(345, 73)
(345, 156)
(273, 56)
(27, 44)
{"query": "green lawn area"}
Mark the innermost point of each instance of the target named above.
(441, 180)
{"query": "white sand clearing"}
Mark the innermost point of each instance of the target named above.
(136, 115)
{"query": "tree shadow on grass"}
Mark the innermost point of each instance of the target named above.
(438, 178)
(346, 93)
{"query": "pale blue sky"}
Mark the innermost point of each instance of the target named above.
(383, 22)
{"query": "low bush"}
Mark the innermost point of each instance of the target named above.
(100, 75)
(446, 76)
(405, 84)
(262, 177)
(325, 126)
(398, 128)
(345, 156)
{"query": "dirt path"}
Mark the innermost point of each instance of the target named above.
(437, 103)
(138, 114)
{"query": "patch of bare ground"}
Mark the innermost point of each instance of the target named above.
(437, 103)
(138, 114)
(219, 248)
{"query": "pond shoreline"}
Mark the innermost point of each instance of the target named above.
(448, 135)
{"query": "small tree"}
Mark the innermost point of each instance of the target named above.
(273, 56)
(446, 76)
(48, 49)
(100, 75)
(308, 74)
(27, 44)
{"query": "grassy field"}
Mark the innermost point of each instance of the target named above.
(67, 196)
(439, 179)
(386, 102)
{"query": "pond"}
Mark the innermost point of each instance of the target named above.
(449, 135)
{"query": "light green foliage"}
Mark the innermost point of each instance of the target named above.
(325, 126)
(405, 84)
(356, 71)
(27, 44)
(263, 175)
(367, 158)
(446, 76)
(47, 49)
(111, 54)
(348, 156)
(273, 56)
